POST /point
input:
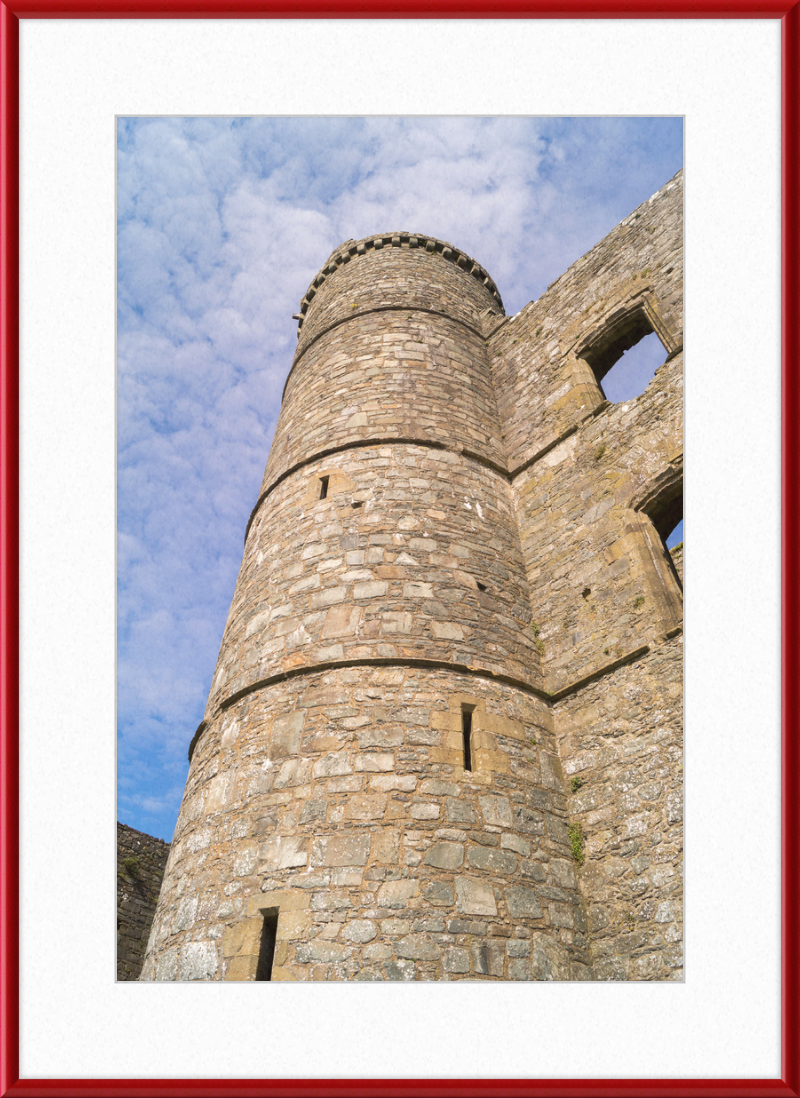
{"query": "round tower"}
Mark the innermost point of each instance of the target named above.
(374, 791)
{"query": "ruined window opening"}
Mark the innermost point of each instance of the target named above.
(665, 512)
(323, 487)
(266, 953)
(466, 732)
(625, 356)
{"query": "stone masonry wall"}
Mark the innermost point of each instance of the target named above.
(396, 575)
(140, 868)
(621, 739)
(589, 477)
(544, 386)
(341, 798)
(406, 375)
(443, 738)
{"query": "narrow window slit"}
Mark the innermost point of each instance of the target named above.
(357, 503)
(323, 487)
(466, 731)
(269, 933)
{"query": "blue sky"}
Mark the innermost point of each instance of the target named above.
(222, 223)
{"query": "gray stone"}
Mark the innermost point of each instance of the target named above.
(496, 810)
(400, 970)
(416, 947)
(360, 930)
(439, 893)
(456, 960)
(523, 902)
(519, 969)
(489, 958)
(459, 811)
(395, 894)
(494, 861)
(445, 855)
(474, 897)
(198, 961)
(320, 950)
(533, 870)
(340, 850)
(518, 948)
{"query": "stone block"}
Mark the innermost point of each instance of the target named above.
(317, 950)
(474, 897)
(439, 893)
(459, 811)
(489, 958)
(456, 960)
(374, 762)
(397, 893)
(417, 947)
(523, 902)
(496, 810)
(374, 589)
(282, 852)
(359, 930)
(425, 811)
(335, 850)
(491, 860)
(445, 856)
(198, 961)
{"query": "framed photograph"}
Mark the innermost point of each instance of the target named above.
(76, 86)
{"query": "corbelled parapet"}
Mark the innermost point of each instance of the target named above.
(395, 776)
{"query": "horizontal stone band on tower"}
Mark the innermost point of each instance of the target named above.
(443, 736)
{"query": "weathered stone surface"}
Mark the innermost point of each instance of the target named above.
(445, 855)
(140, 868)
(456, 536)
(523, 901)
(494, 861)
(198, 961)
(397, 893)
(474, 897)
(418, 947)
(340, 850)
(360, 930)
(456, 960)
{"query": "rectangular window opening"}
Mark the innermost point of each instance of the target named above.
(266, 953)
(323, 487)
(466, 731)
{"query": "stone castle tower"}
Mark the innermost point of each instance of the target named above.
(443, 739)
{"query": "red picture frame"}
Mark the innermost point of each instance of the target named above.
(10, 14)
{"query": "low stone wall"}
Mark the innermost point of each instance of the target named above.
(140, 868)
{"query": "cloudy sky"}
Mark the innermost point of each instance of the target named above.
(222, 224)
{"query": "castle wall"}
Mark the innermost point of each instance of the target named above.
(341, 798)
(596, 484)
(396, 577)
(600, 580)
(443, 736)
(141, 860)
(621, 739)
(543, 383)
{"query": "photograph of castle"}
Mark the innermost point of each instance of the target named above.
(443, 737)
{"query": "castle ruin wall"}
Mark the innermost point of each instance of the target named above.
(442, 739)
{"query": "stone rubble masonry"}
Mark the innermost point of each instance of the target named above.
(453, 520)
(140, 868)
